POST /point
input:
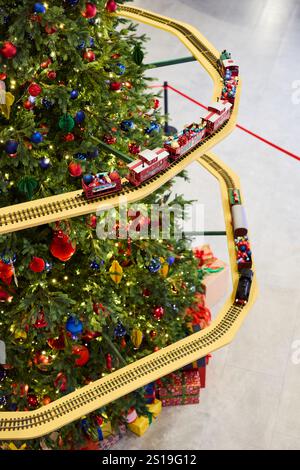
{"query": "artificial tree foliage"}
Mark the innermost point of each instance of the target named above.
(40, 136)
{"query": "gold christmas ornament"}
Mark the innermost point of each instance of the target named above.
(116, 272)
(136, 337)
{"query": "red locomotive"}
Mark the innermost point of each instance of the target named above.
(227, 66)
(149, 163)
(183, 141)
(101, 183)
(218, 113)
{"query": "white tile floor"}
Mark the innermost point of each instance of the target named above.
(253, 386)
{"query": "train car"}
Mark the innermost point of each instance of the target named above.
(101, 183)
(218, 113)
(149, 164)
(244, 287)
(179, 144)
(227, 66)
(234, 196)
(243, 252)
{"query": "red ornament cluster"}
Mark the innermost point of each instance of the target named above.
(158, 313)
(8, 50)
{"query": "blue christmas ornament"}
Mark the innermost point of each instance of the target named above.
(154, 127)
(72, 3)
(36, 138)
(11, 147)
(154, 265)
(92, 42)
(74, 94)
(39, 8)
(120, 330)
(45, 163)
(32, 99)
(74, 326)
(81, 45)
(80, 117)
(93, 153)
(127, 125)
(122, 69)
(88, 178)
(80, 156)
(3, 400)
(47, 103)
(94, 265)
(171, 260)
(92, 21)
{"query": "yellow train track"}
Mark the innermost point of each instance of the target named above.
(32, 424)
(24, 425)
(74, 204)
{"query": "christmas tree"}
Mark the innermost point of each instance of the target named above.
(74, 306)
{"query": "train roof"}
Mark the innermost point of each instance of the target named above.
(229, 63)
(149, 157)
(216, 109)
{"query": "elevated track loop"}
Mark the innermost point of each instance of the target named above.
(74, 204)
(23, 425)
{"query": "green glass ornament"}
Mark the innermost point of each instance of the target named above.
(66, 123)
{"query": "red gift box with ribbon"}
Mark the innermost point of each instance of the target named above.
(214, 274)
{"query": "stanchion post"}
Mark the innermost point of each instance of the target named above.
(169, 130)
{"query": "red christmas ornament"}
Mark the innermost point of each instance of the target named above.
(69, 137)
(62, 247)
(156, 348)
(108, 360)
(46, 63)
(61, 382)
(32, 400)
(90, 56)
(5, 296)
(123, 343)
(6, 272)
(156, 104)
(41, 321)
(51, 75)
(8, 50)
(50, 29)
(134, 148)
(116, 56)
(115, 86)
(92, 221)
(111, 6)
(28, 105)
(109, 139)
(46, 400)
(82, 354)
(42, 361)
(34, 89)
(89, 335)
(98, 308)
(153, 334)
(37, 265)
(3, 76)
(57, 343)
(146, 292)
(90, 10)
(75, 169)
(158, 312)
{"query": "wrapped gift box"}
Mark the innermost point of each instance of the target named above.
(214, 274)
(140, 425)
(181, 383)
(150, 393)
(106, 443)
(155, 408)
(180, 400)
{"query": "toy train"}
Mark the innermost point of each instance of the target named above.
(240, 230)
(244, 287)
(152, 162)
